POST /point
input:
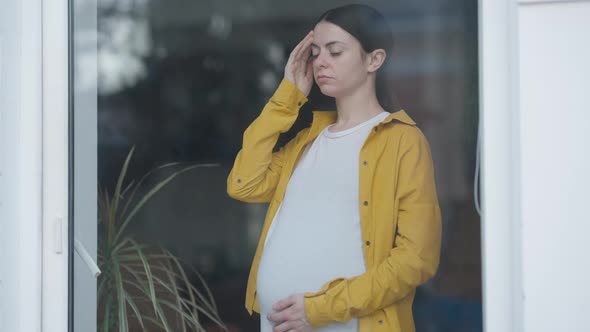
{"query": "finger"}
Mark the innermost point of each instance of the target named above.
(282, 304)
(290, 326)
(284, 327)
(304, 52)
(309, 69)
(295, 50)
(302, 45)
(276, 317)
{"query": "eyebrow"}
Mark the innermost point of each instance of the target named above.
(329, 43)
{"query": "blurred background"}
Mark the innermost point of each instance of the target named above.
(182, 79)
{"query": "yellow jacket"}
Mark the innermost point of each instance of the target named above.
(400, 215)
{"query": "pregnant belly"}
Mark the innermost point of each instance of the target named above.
(300, 256)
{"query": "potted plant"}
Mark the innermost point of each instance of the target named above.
(144, 287)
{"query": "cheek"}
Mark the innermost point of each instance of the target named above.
(350, 69)
(349, 61)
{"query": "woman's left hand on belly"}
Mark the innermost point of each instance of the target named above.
(290, 315)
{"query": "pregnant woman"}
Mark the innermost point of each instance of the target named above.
(353, 225)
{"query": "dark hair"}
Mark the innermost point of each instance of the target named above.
(371, 29)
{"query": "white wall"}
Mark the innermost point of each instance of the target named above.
(554, 108)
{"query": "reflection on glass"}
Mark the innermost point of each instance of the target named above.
(180, 81)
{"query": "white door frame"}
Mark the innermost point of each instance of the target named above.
(499, 118)
(20, 165)
(34, 165)
(501, 237)
(55, 146)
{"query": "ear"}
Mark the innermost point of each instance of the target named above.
(375, 60)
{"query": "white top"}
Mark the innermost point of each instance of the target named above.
(316, 235)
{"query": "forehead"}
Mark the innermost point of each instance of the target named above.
(326, 32)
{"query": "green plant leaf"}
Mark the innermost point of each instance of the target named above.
(118, 253)
(150, 282)
(120, 250)
(117, 194)
(209, 303)
(191, 289)
(177, 296)
(167, 256)
(106, 320)
(152, 192)
(145, 290)
(148, 271)
(117, 246)
(183, 314)
(143, 178)
(155, 322)
(129, 300)
(123, 323)
(101, 285)
(126, 189)
(134, 258)
(189, 305)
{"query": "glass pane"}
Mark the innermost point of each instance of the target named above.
(179, 81)
(84, 163)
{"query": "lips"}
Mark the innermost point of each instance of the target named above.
(323, 78)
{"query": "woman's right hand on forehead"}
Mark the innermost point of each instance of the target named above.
(299, 66)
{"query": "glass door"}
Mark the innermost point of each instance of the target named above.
(162, 93)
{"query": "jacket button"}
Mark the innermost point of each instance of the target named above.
(376, 129)
(368, 243)
(365, 203)
(239, 180)
(365, 163)
(381, 321)
(299, 104)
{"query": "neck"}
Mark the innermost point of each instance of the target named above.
(357, 107)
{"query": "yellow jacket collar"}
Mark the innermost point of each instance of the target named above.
(322, 119)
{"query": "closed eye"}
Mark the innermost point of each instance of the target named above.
(334, 54)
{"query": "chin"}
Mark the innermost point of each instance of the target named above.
(329, 91)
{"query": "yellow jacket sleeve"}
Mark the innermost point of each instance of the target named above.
(414, 257)
(256, 171)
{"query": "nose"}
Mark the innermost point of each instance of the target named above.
(320, 61)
